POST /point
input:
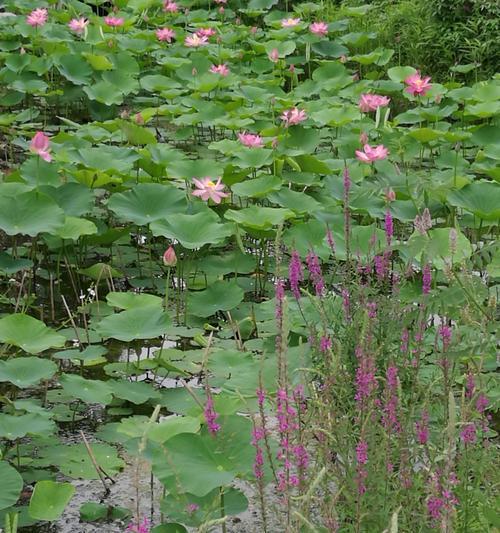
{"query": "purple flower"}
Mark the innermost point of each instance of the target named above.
(426, 279)
(422, 428)
(331, 242)
(211, 417)
(470, 385)
(362, 452)
(191, 508)
(445, 333)
(468, 434)
(389, 227)
(280, 296)
(481, 403)
(325, 344)
(295, 273)
(434, 507)
(315, 273)
(142, 527)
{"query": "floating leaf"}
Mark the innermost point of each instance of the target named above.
(193, 231)
(29, 213)
(87, 390)
(49, 499)
(24, 372)
(136, 323)
(11, 486)
(28, 333)
(148, 202)
(220, 296)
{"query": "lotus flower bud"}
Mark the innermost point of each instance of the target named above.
(169, 257)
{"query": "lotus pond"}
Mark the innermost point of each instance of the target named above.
(249, 274)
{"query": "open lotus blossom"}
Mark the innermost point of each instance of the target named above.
(274, 55)
(40, 144)
(222, 69)
(289, 23)
(293, 116)
(206, 189)
(114, 22)
(416, 85)
(205, 32)
(78, 25)
(371, 102)
(194, 41)
(251, 140)
(38, 17)
(165, 34)
(319, 28)
(369, 154)
(170, 7)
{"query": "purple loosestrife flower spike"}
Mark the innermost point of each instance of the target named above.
(389, 227)
(426, 279)
(211, 417)
(315, 273)
(295, 273)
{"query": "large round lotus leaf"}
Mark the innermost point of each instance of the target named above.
(11, 486)
(28, 333)
(197, 464)
(133, 391)
(49, 499)
(435, 246)
(400, 73)
(220, 296)
(104, 158)
(299, 202)
(9, 265)
(136, 323)
(16, 427)
(25, 372)
(74, 228)
(74, 460)
(193, 231)
(74, 68)
(481, 198)
(171, 426)
(209, 508)
(87, 390)
(258, 187)
(29, 213)
(131, 300)
(74, 199)
(260, 218)
(147, 202)
(195, 168)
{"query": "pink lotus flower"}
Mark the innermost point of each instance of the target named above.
(38, 17)
(194, 41)
(114, 22)
(370, 154)
(206, 189)
(289, 23)
(40, 144)
(371, 102)
(274, 55)
(293, 116)
(139, 527)
(165, 34)
(170, 7)
(221, 2)
(78, 25)
(418, 86)
(251, 140)
(222, 69)
(169, 257)
(319, 28)
(205, 32)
